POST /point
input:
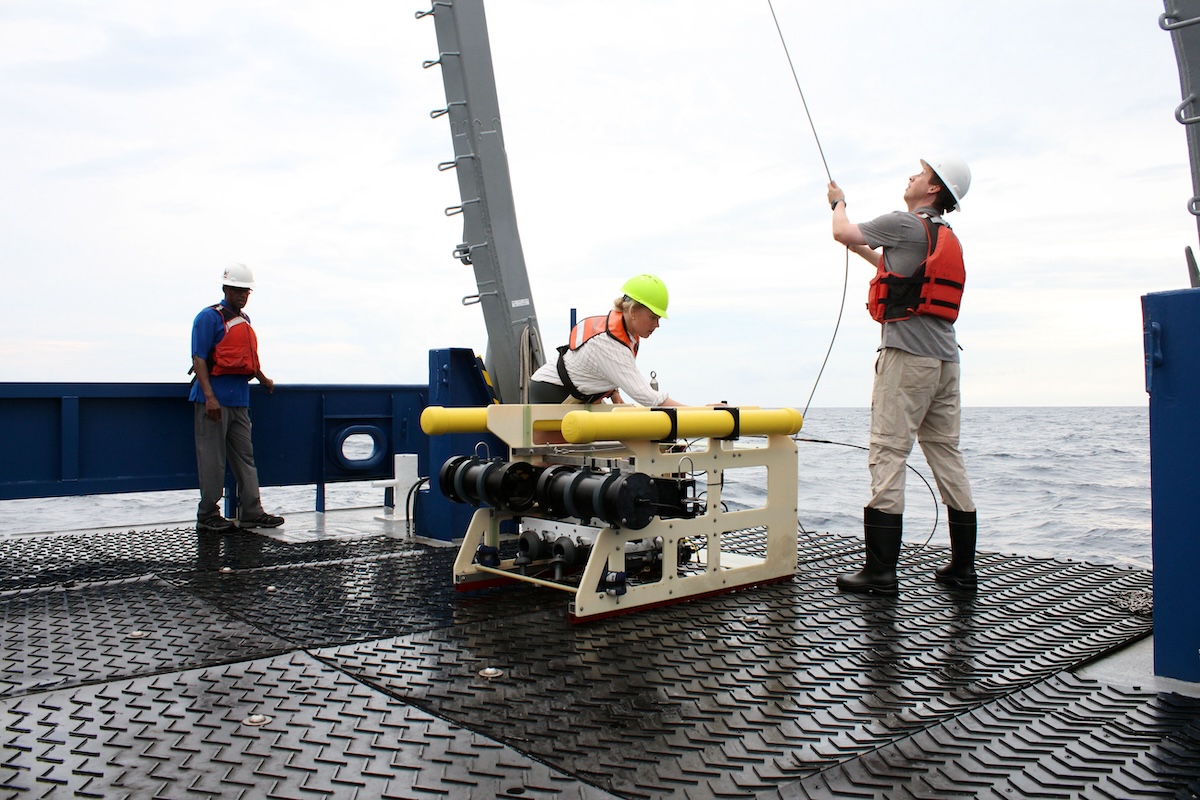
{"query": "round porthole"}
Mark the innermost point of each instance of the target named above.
(348, 443)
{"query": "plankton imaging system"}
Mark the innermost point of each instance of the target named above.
(621, 506)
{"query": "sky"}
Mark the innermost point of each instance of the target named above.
(144, 145)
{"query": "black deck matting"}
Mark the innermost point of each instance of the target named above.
(359, 599)
(369, 664)
(67, 559)
(1061, 738)
(103, 632)
(746, 693)
(183, 735)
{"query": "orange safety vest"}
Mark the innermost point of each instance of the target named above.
(589, 328)
(613, 325)
(936, 288)
(237, 352)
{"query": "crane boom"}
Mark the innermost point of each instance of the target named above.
(491, 243)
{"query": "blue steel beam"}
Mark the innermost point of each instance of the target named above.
(1171, 325)
(61, 439)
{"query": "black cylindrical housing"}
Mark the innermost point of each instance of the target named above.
(508, 485)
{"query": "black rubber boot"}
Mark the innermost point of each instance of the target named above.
(882, 533)
(960, 572)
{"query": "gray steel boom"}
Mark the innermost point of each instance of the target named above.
(1182, 20)
(491, 243)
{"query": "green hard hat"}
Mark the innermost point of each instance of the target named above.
(649, 290)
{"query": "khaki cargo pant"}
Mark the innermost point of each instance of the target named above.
(915, 398)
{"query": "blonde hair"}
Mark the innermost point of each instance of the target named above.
(625, 303)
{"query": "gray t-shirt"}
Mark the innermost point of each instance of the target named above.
(905, 243)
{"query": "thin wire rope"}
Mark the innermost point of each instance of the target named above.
(836, 326)
(932, 494)
(846, 267)
(796, 78)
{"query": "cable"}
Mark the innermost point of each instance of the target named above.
(846, 267)
(936, 510)
(410, 505)
(836, 326)
(797, 80)
(530, 346)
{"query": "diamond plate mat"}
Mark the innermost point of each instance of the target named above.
(745, 694)
(85, 557)
(1065, 737)
(135, 662)
(287, 727)
(102, 632)
(359, 599)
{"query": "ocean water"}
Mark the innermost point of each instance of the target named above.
(1058, 482)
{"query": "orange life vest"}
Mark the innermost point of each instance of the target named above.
(936, 288)
(237, 352)
(613, 325)
(587, 329)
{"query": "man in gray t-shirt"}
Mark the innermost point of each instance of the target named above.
(915, 396)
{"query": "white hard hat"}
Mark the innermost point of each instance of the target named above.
(955, 174)
(238, 276)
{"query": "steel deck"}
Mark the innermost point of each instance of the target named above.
(163, 663)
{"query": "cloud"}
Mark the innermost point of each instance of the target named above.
(148, 144)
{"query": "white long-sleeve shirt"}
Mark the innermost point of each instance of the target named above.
(601, 365)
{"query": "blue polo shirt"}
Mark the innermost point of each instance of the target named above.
(231, 390)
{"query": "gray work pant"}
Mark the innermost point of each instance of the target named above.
(916, 398)
(227, 439)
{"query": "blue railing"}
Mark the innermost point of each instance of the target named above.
(63, 439)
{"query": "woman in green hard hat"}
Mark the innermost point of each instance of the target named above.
(598, 362)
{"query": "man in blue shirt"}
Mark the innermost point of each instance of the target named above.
(224, 359)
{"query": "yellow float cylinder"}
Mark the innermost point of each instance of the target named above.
(761, 421)
(438, 420)
(580, 427)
